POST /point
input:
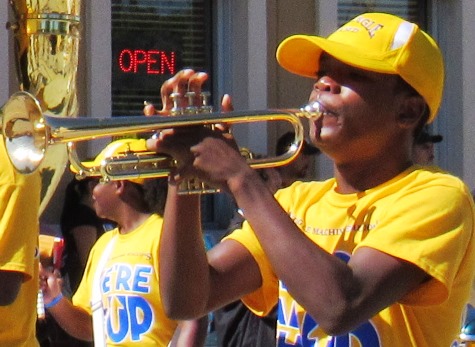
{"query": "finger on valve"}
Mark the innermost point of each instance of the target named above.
(177, 84)
(195, 85)
(149, 109)
(226, 106)
(226, 103)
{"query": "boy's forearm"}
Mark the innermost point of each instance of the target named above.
(184, 273)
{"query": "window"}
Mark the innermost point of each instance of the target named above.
(412, 10)
(151, 40)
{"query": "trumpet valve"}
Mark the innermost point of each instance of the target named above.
(205, 106)
(195, 186)
(191, 108)
(176, 109)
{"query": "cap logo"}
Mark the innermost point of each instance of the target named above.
(370, 25)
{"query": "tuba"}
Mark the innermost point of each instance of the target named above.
(46, 45)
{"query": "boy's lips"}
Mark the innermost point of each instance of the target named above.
(322, 118)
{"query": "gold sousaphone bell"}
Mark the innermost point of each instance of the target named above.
(46, 37)
(28, 135)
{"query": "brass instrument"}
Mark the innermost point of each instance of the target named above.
(27, 130)
(46, 45)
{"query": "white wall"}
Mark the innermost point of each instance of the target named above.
(452, 26)
(97, 59)
(468, 81)
(327, 12)
(4, 47)
(241, 60)
(248, 34)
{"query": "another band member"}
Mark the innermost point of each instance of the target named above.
(120, 288)
(19, 255)
(423, 149)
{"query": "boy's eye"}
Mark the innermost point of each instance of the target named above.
(357, 75)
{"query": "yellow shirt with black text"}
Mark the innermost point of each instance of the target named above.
(423, 216)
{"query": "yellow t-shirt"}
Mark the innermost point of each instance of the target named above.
(130, 287)
(19, 230)
(422, 216)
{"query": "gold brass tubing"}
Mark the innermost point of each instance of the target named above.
(63, 130)
(26, 130)
(148, 165)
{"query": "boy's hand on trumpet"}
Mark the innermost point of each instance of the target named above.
(201, 152)
(186, 80)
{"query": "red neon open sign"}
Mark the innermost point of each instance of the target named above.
(152, 62)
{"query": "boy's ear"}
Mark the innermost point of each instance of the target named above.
(119, 185)
(412, 110)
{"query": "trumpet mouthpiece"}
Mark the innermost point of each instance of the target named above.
(313, 110)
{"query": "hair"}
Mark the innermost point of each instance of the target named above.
(75, 191)
(155, 194)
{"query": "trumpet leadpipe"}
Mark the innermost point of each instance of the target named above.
(149, 164)
(80, 129)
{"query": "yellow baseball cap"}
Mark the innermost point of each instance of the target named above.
(116, 148)
(376, 42)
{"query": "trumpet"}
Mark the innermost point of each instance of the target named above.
(28, 135)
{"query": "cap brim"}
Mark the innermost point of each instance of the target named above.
(114, 149)
(300, 54)
(91, 164)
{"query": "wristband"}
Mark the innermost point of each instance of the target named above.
(53, 302)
